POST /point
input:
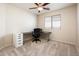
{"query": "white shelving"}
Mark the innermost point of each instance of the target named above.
(18, 39)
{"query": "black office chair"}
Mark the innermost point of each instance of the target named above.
(36, 34)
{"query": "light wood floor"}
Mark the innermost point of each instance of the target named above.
(44, 48)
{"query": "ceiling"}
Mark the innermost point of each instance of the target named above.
(52, 6)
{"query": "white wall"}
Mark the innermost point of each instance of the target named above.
(2, 20)
(13, 20)
(67, 33)
(19, 20)
(77, 24)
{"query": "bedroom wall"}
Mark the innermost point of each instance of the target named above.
(78, 25)
(67, 33)
(13, 20)
(19, 20)
(2, 24)
(2, 20)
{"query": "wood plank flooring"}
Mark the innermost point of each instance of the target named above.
(43, 48)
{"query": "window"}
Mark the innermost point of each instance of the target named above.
(56, 21)
(48, 22)
(53, 22)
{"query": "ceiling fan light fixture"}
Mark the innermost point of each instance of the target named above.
(40, 8)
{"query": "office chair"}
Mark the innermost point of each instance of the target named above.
(36, 34)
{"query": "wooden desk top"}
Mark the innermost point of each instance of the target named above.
(42, 32)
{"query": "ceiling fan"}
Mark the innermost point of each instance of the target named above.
(40, 6)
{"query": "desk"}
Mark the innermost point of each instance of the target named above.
(27, 36)
(44, 35)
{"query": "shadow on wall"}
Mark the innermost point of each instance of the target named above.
(6, 41)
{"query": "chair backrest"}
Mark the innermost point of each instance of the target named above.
(37, 30)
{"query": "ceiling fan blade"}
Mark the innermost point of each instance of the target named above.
(33, 8)
(45, 4)
(46, 8)
(40, 3)
(37, 4)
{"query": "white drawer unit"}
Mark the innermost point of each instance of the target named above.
(18, 39)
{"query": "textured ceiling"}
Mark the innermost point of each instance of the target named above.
(52, 6)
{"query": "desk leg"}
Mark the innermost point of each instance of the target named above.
(48, 38)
